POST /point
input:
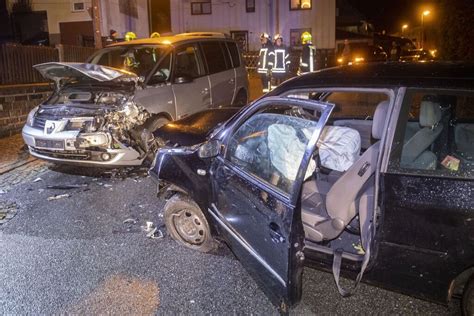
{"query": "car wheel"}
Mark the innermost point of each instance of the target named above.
(154, 123)
(468, 298)
(187, 224)
(240, 99)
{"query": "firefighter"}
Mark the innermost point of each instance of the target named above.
(308, 54)
(265, 62)
(281, 60)
(130, 36)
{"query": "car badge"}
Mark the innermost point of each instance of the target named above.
(51, 127)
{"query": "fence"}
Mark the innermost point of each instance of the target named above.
(16, 61)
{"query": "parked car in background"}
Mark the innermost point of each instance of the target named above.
(363, 54)
(414, 55)
(367, 168)
(102, 112)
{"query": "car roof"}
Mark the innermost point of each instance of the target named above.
(445, 75)
(176, 39)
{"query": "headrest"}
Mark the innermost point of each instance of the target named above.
(379, 119)
(430, 113)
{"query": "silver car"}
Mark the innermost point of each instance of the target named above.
(104, 112)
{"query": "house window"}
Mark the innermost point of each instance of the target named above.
(295, 36)
(199, 8)
(300, 4)
(250, 5)
(78, 7)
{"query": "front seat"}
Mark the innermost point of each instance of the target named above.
(327, 209)
(415, 152)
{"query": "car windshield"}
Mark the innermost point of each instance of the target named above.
(138, 59)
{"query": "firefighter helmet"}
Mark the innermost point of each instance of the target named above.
(277, 37)
(306, 37)
(264, 35)
(155, 35)
(130, 36)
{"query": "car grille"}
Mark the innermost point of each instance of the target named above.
(39, 122)
(70, 154)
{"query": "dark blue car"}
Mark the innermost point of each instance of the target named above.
(364, 170)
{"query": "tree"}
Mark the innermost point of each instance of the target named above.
(457, 35)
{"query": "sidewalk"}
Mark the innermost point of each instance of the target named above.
(13, 153)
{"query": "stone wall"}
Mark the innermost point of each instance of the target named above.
(16, 101)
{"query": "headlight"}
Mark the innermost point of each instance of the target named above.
(359, 59)
(340, 60)
(31, 117)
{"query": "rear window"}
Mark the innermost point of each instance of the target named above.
(215, 58)
(355, 104)
(234, 53)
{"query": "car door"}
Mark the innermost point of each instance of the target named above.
(256, 183)
(190, 81)
(427, 212)
(221, 72)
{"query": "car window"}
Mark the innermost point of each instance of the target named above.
(435, 135)
(270, 146)
(187, 62)
(355, 104)
(163, 71)
(215, 57)
(139, 59)
(234, 53)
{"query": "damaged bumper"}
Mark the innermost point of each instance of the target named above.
(74, 147)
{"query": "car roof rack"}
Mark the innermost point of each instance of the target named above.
(206, 34)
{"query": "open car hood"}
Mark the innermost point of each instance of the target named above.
(65, 72)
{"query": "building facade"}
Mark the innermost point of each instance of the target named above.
(70, 21)
(245, 20)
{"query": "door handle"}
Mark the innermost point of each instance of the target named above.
(275, 233)
(205, 91)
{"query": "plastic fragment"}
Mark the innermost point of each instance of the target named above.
(58, 197)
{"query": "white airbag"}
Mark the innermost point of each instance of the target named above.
(339, 147)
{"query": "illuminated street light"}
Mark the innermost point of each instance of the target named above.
(404, 27)
(425, 13)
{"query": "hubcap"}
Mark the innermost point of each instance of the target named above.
(189, 226)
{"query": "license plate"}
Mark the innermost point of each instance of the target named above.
(48, 143)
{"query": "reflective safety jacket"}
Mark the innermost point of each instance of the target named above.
(307, 58)
(265, 60)
(281, 60)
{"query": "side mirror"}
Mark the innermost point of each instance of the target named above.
(183, 79)
(209, 149)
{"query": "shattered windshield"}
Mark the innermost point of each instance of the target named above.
(139, 59)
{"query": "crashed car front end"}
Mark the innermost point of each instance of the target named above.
(92, 120)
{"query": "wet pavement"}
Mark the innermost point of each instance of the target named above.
(74, 254)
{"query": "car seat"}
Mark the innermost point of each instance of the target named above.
(328, 208)
(416, 153)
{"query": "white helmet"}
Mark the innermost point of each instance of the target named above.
(278, 36)
(264, 35)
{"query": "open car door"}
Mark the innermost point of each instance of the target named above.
(256, 183)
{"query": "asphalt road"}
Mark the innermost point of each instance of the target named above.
(75, 255)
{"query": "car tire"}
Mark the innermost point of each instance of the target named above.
(467, 303)
(155, 122)
(187, 224)
(240, 99)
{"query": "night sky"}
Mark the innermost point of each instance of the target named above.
(390, 15)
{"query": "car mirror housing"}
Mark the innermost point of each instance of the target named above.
(209, 149)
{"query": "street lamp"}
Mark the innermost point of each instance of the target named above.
(404, 27)
(425, 13)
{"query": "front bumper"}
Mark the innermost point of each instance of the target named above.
(70, 154)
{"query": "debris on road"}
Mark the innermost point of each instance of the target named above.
(58, 197)
(3, 191)
(66, 186)
(8, 210)
(37, 180)
(152, 231)
(130, 221)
